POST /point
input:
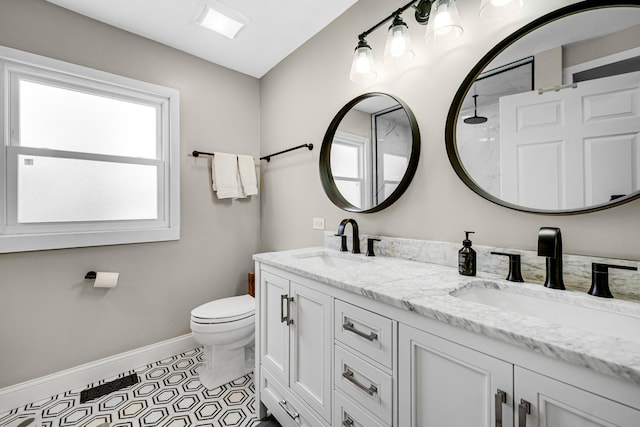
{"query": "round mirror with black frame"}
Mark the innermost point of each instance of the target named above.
(369, 153)
(549, 120)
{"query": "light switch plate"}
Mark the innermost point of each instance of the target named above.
(318, 223)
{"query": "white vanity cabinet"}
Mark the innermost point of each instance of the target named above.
(442, 383)
(295, 345)
(446, 384)
(544, 402)
(329, 357)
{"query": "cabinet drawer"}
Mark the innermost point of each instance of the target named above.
(348, 414)
(364, 383)
(288, 410)
(367, 332)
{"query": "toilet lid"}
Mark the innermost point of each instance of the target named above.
(225, 310)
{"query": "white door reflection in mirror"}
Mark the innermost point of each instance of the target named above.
(572, 148)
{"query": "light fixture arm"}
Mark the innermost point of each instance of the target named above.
(395, 14)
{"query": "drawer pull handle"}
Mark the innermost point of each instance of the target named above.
(348, 421)
(349, 327)
(524, 408)
(501, 398)
(293, 415)
(285, 319)
(371, 390)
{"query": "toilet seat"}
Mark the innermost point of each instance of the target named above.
(224, 310)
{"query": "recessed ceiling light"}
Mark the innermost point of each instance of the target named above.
(222, 19)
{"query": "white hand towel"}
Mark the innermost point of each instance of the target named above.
(248, 179)
(225, 176)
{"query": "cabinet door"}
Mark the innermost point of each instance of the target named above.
(311, 346)
(274, 333)
(556, 404)
(446, 384)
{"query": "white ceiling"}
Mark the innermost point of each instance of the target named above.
(276, 28)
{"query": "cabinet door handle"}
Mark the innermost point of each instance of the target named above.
(293, 415)
(348, 421)
(351, 328)
(523, 409)
(501, 398)
(285, 319)
(371, 390)
(284, 298)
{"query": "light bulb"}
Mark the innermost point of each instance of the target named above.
(398, 44)
(496, 9)
(362, 63)
(445, 22)
(442, 24)
(398, 48)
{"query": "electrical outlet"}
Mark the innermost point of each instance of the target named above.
(318, 223)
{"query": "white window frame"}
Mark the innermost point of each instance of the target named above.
(363, 146)
(17, 237)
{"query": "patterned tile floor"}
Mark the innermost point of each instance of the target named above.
(169, 394)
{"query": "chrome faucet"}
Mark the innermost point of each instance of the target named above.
(355, 237)
(550, 246)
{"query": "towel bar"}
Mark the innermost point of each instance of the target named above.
(196, 153)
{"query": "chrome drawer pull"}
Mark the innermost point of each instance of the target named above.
(347, 422)
(524, 408)
(371, 390)
(283, 298)
(293, 415)
(349, 327)
(501, 398)
(285, 319)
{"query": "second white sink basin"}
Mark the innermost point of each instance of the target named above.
(592, 318)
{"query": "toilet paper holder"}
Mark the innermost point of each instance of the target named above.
(103, 279)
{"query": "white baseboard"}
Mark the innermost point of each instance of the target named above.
(21, 394)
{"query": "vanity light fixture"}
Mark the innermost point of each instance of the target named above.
(445, 24)
(222, 19)
(363, 68)
(495, 9)
(398, 48)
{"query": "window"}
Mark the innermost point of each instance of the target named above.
(89, 158)
(348, 166)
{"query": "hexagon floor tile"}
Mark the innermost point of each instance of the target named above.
(168, 394)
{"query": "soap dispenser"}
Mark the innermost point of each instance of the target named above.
(467, 257)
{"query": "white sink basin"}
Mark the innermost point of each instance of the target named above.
(332, 259)
(592, 318)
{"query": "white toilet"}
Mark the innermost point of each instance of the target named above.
(226, 329)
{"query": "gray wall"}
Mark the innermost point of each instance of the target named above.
(51, 319)
(302, 94)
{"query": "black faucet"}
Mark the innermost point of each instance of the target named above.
(515, 272)
(356, 236)
(600, 278)
(550, 246)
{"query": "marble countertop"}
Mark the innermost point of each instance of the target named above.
(430, 289)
